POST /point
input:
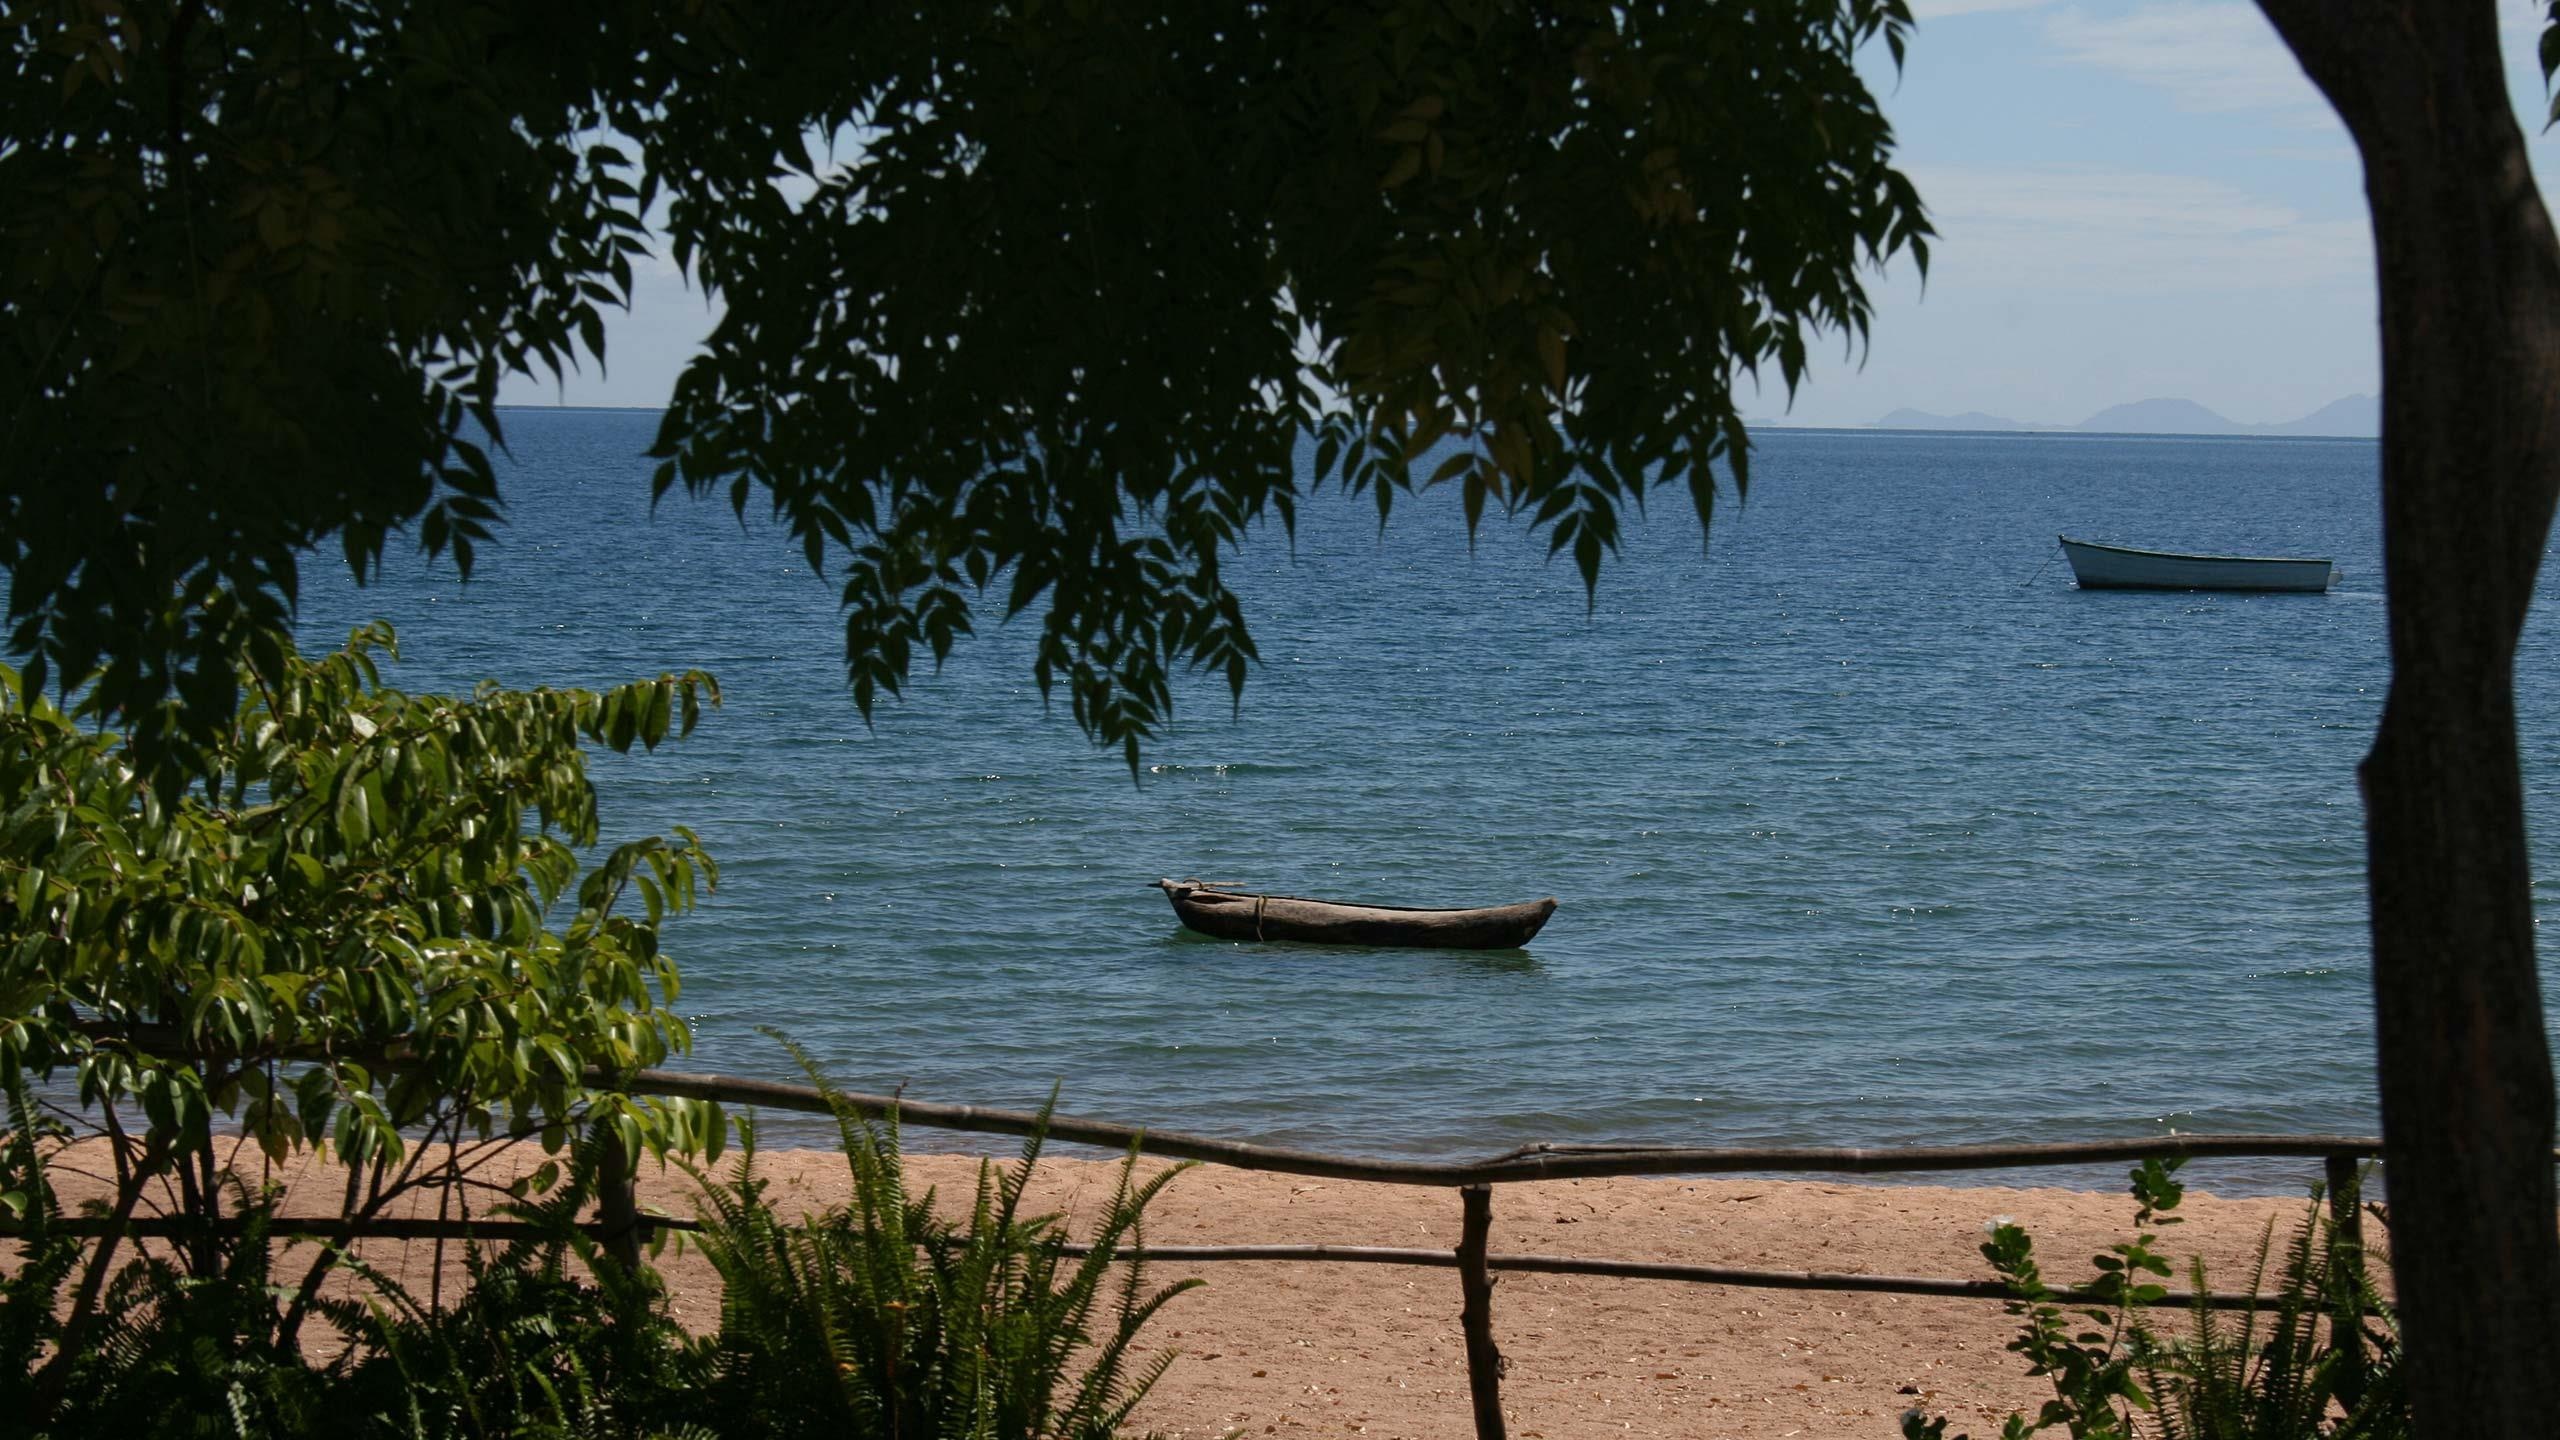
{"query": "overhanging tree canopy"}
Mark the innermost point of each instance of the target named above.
(1074, 285)
(258, 265)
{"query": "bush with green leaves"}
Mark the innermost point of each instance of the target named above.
(884, 1317)
(342, 932)
(2269, 1376)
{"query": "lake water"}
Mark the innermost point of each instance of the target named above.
(1868, 826)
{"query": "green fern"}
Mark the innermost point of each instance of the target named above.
(880, 1317)
(2270, 1375)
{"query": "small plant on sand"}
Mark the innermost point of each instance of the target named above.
(2270, 1376)
(883, 1317)
(2115, 1377)
(2096, 1368)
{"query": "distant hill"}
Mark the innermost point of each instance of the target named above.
(2160, 417)
(1969, 420)
(2354, 416)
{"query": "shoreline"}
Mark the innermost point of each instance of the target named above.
(1303, 1347)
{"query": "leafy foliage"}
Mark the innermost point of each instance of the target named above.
(1052, 308)
(182, 1354)
(345, 924)
(2220, 1380)
(527, 1351)
(30, 1309)
(175, 1353)
(340, 933)
(531, 1349)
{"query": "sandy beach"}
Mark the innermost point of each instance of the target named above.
(1293, 1348)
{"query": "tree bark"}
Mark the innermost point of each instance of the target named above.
(618, 1200)
(2470, 310)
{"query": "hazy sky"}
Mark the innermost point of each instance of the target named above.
(2133, 200)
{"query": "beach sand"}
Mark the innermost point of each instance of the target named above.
(1304, 1349)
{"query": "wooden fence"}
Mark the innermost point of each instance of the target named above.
(623, 1226)
(1474, 1182)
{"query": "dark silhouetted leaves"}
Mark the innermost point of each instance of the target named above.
(1052, 306)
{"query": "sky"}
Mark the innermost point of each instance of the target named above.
(2134, 200)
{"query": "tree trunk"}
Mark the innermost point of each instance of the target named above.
(618, 1199)
(2470, 308)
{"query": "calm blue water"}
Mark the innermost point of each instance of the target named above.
(1868, 826)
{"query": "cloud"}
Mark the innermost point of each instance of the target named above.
(2210, 56)
(2098, 231)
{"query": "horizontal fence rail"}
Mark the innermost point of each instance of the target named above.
(318, 1227)
(1528, 1163)
(1926, 1287)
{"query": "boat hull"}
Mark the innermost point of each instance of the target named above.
(1235, 915)
(2115, 567)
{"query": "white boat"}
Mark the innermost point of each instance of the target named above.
(2114, 567)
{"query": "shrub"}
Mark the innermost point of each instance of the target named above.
(882, 1317)
(2275, 1379)
(340, 930)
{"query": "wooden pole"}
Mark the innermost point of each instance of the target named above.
(1475, 1312)
(2346, 1263)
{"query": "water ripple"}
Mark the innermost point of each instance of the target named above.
(1868, 829)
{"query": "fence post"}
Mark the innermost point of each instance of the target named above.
(2346, 1263)
(1475, 1312)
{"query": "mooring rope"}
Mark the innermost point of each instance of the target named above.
(1259, 901)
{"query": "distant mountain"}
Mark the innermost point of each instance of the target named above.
(1969, 420)
(2160, 417)
(2355, 416)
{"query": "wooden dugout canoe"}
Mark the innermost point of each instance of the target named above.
(1240, 915)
